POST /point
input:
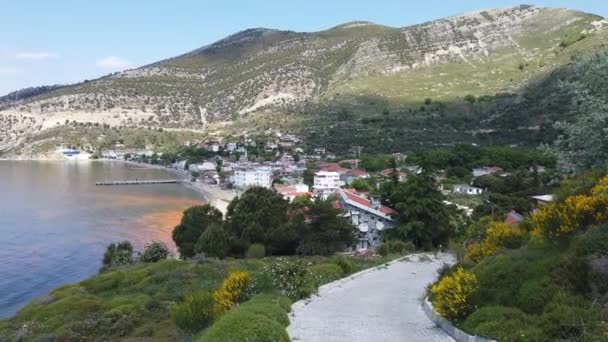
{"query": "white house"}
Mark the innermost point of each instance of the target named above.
(467, 190)
(261, 176)
(202, 167)
(326, 183)
(290, 192)
(231, 147)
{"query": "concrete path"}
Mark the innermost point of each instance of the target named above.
(378, 305)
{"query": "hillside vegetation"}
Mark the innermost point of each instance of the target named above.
(445, 81)
(164, 301)
(544, 280)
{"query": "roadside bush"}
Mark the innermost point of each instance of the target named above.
(290, 278)
(154, 252)
(325, 273)
(346, 265)
(384, 250)
(256, 251)
(452, 295)
(233, 291)
(504, 324)
(497, 235)
(401, 248)
(247, 326)
(273, 307)
(195, 312)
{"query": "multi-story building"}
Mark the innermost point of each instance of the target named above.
(326, 183)
(261, 176)
(368, 216)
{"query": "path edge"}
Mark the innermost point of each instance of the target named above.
(448, 327)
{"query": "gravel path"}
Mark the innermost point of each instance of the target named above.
(379, 305)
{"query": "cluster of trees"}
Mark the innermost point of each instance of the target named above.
(422, 216)
(582, 144)
(471, 156)
(261, 216)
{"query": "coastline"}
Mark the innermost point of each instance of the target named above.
(213, 194)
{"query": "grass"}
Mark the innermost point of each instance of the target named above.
(134, 302)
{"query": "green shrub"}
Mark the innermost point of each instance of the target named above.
(569, 317)
(245, 326)
(154, 252)
(116, 254)
(345, 264)
(273, 307)
(401, 248)
(384, 250)
(534, 294)
(290, 278)
(256, 251)
(195, 312)
(595, 241)
(325, 273)
(504, 324)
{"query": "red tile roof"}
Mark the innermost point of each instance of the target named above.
(353, 196)
(332, 167)
(513, 219)
(357, 173)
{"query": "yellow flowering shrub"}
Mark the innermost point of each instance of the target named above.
(232, 291)
(451, 296)
(498, 235)
(575, 213)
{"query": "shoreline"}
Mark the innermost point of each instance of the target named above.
(212, 194)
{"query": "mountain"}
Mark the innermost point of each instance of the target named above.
(445, 81)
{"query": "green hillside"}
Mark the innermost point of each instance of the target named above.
(411, 84)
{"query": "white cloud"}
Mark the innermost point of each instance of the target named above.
(43, 55)
(7, 70)
(112, 62)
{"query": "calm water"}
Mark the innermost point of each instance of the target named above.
(55, 223)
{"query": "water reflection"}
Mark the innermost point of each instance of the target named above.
(55, 223)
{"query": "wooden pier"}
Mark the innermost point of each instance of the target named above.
(139, 182)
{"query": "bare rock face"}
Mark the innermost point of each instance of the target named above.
(258, 71)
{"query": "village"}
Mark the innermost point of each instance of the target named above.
(293, 169)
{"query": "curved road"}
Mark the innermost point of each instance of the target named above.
(379, 305)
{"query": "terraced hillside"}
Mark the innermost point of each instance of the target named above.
(452, 78)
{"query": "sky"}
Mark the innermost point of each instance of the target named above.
(66, 41)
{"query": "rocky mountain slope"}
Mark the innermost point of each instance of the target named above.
(262, 79)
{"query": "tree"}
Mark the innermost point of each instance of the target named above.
(194, 222)
(422, 217)
(116, 254)
(582, 144)
(326, 232)
(154, 252)
(213, 242)
(259, 215)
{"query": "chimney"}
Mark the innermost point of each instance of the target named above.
(375, 203)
